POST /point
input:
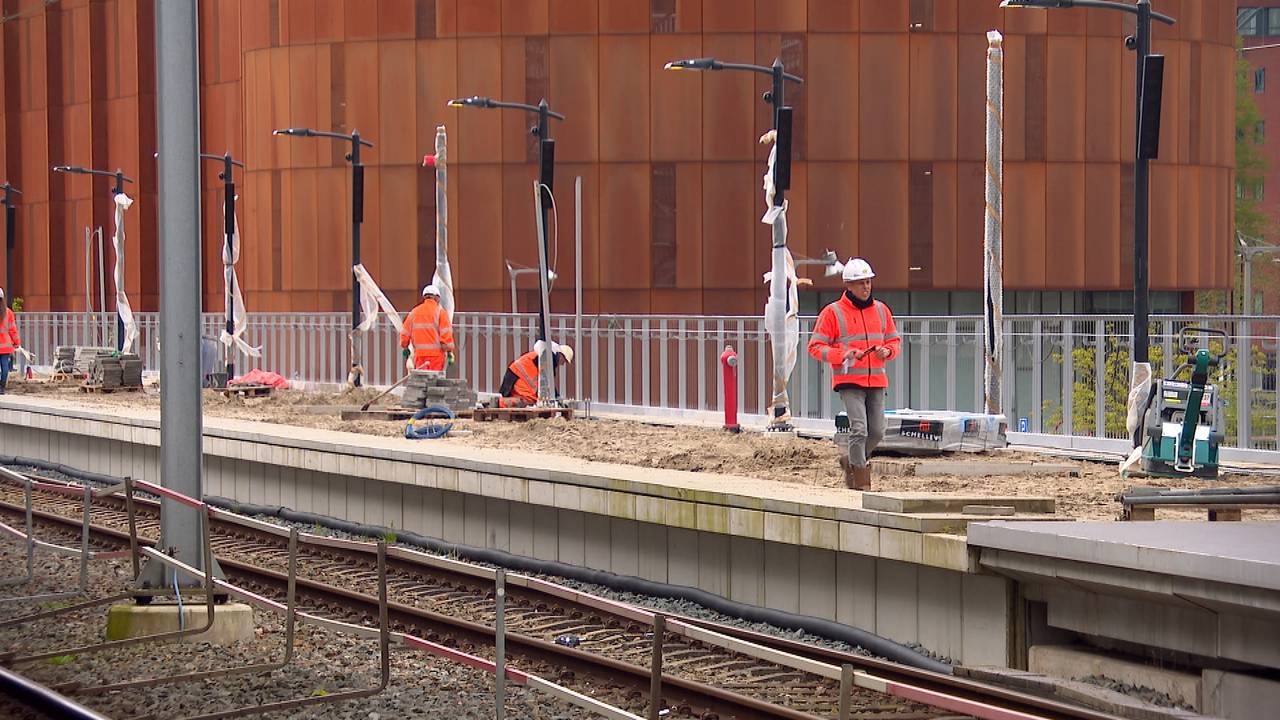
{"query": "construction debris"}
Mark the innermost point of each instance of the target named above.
(425, 388)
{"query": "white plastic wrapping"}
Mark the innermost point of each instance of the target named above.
(372, 298)
(122, 301)
(231, 282)
(1139, 387)
(443, 277)
(782, 310)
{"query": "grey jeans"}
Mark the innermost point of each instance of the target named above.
(865, 407)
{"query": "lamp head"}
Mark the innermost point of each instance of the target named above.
(1044, 4)
(693, 64)
(296, 132)
(72, 169)
(473, 101)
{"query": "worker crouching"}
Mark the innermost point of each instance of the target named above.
(429, 329)
(856, 335)
(520, 384)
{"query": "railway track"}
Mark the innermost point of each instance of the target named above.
(592, 644)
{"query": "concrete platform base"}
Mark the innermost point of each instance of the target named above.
(976, 468)
(231, 622)
(1076, 664)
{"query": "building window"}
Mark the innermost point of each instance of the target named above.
(1260, 132)
(1249, 21)
(1260, 80)
(1273, 22)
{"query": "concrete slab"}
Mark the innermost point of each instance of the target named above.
(1240, 697)
(232, 622)
(1239, 554)
(975, 467)
(900, 502)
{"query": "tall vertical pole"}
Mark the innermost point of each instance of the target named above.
(120, 267)
(993, 251)
(778, 287)
(178, 134)
(228, 269)
(10, 220)
(1142, 195)
(357, 218)
(1244, 354)
(546, 176)
(577, 284)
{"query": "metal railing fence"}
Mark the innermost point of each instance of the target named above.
(1064, 374)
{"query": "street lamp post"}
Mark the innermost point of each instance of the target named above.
(775, 96)
(1140, 42)
(10, 218)
(228, 229)
(117, 188)
(546, 174)
(357, 218)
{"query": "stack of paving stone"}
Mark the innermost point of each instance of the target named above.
(116, 371)
(86, 356)
(424, 388)
(64, 359)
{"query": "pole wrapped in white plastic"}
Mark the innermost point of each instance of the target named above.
(372, 298)
(125, 312)
(993, 239)
(781, 311)
(234, 298)
(443, 278)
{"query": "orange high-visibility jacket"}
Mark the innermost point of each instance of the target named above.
(429, 329)
(9, 340)
(842, 326)
(526, 370)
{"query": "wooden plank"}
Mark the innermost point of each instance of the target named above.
(521, 414)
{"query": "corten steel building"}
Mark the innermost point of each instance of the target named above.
(889, 147)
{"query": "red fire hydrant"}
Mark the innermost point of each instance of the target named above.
(729, 370)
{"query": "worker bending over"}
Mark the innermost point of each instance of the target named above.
(430, 331)
(520, 384)
(856, 335)
(9, 343)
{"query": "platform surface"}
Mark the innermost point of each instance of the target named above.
(1238, 553)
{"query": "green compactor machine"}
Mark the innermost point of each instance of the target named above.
(1182, 425)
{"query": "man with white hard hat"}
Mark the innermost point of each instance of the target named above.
(429, 329)
(9, 343)
(856, 335)
(520, 385)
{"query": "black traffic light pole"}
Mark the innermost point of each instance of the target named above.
(228, 228)
(546, 176)
(357, 218)
(1146, 147)
(117, 188)
(10, 219)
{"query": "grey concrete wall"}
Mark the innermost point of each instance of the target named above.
(960, 615)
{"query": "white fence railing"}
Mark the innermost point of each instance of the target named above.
(1063, 374)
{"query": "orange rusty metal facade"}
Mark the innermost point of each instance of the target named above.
(889, 144)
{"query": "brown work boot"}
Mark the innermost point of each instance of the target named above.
(861, 478)
(847, 468)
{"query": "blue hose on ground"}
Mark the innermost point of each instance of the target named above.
(433, 431)
(820, 627)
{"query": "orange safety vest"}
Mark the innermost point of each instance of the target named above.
(9, 340)
(526, 370)
(429, 329)
(842, 326)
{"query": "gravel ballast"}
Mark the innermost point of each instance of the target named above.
(325, 662)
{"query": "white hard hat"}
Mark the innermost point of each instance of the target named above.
(1, 292)
(430, 290)
(566, 351)
(857, 269)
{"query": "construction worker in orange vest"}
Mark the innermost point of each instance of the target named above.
(520, 385)
(9, 343)
(430, 331)
(856, 335)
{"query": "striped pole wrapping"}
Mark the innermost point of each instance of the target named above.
(993, 240)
